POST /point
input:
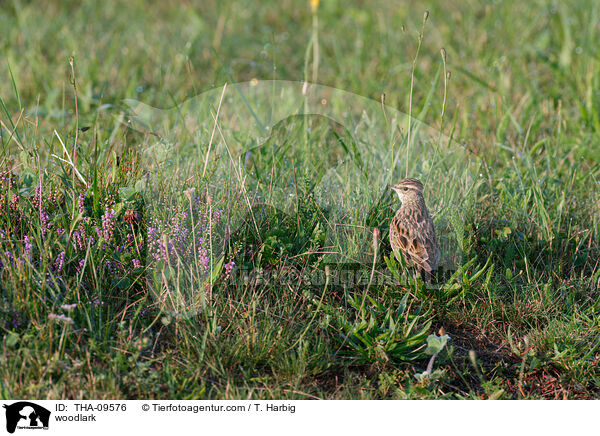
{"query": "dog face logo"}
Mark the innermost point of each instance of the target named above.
(24, 414)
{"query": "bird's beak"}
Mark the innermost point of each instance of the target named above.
(391, 187)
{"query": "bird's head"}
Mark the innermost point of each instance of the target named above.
(408, 189)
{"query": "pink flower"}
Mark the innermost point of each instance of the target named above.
(108, 225)
(81, 203)
(228, 268)
(59, 263)
(37, 198)
(28, 247)
(80, 265)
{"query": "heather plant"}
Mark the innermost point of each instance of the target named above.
(186, 251)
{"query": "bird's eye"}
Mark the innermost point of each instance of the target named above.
(406, 189)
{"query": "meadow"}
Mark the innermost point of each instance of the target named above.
(194, 199)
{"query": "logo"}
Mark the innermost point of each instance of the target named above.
(26, 415)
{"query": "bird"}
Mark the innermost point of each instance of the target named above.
(411, 230)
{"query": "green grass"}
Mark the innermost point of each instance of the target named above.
(511, 177)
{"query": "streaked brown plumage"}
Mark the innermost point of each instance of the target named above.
(411, 230)
(132, 216)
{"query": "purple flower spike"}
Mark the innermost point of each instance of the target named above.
(108, 225)
(37, 198)
(28, 247)
(80, 265)
(228, 268)
(59, 263)
(81, 203)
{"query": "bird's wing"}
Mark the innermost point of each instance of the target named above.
(409, 240)
(427, 232)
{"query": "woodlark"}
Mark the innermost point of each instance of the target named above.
(412, 231)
